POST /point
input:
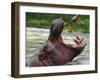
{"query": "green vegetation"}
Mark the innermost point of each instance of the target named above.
(43, 20)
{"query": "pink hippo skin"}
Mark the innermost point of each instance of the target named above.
(55, 51)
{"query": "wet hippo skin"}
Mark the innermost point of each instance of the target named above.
(55, 51)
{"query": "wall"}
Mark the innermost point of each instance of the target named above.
(5, 40)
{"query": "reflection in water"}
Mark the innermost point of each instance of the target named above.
(36, 37)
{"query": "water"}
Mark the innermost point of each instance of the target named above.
(35, 38)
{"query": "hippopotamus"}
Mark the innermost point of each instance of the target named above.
(54, 51)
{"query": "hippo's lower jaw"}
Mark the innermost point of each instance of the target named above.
(79, 48)
(66, 55)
